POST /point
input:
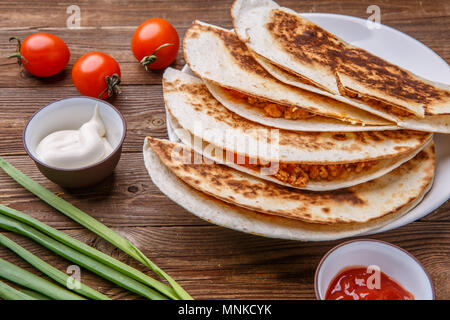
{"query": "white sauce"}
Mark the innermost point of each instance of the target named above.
(71, 149)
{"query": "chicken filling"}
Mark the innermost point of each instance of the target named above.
(380, 105)
(298, 175)
(273, 110)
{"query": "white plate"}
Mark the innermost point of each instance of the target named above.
(410, 54)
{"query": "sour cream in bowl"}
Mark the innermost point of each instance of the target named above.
(75, 142)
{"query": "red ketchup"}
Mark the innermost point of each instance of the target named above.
(354, 284)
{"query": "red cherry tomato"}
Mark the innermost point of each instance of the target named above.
(96, 74)
(42, 54)
(155, 43)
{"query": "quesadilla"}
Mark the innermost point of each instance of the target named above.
(312, 178)
(238, 218)
(389, 194)
(217, 56)
(239, 104)
(306, 55)
(304, 160)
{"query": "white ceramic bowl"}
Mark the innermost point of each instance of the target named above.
(70, 114)
(392, 260)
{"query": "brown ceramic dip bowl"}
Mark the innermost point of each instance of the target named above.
(70, 114)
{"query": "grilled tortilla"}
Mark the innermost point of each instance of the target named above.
(313, 161)
(311, 177)
(217, 56)
(238, 218)
(257, 113)
(438, 123)
(299, 49)
(369, 201)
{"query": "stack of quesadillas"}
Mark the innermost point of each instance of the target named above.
(283, 125)
(300, 53)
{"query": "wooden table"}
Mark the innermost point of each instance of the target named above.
(209, 261)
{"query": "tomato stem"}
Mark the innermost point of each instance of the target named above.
(17, 54)
(112, 85)
(152, 58)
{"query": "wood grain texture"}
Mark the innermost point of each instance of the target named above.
(217, 263)
(209, 261)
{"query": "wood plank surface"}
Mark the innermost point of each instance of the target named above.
(209, 261)
(217, 263)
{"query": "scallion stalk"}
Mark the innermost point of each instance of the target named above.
(87, 250)
(50, 271)
(88, 222)
(9, 293)
(29, 280)
(34, 294)
(79, 258)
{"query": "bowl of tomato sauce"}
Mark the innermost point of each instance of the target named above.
(368, 269)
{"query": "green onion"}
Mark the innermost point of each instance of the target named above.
(87, 250)
(79, 258)
(35, 294)
(50, 271)
(88, 222)
(9, 293)
(29, 280)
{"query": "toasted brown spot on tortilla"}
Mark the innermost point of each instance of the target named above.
(300, 39)
(216, 181)
(374, 136)
(360, 137)
(386, 77)
(398, 135)
(194, 35)
(340, 136)
(346, 195)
